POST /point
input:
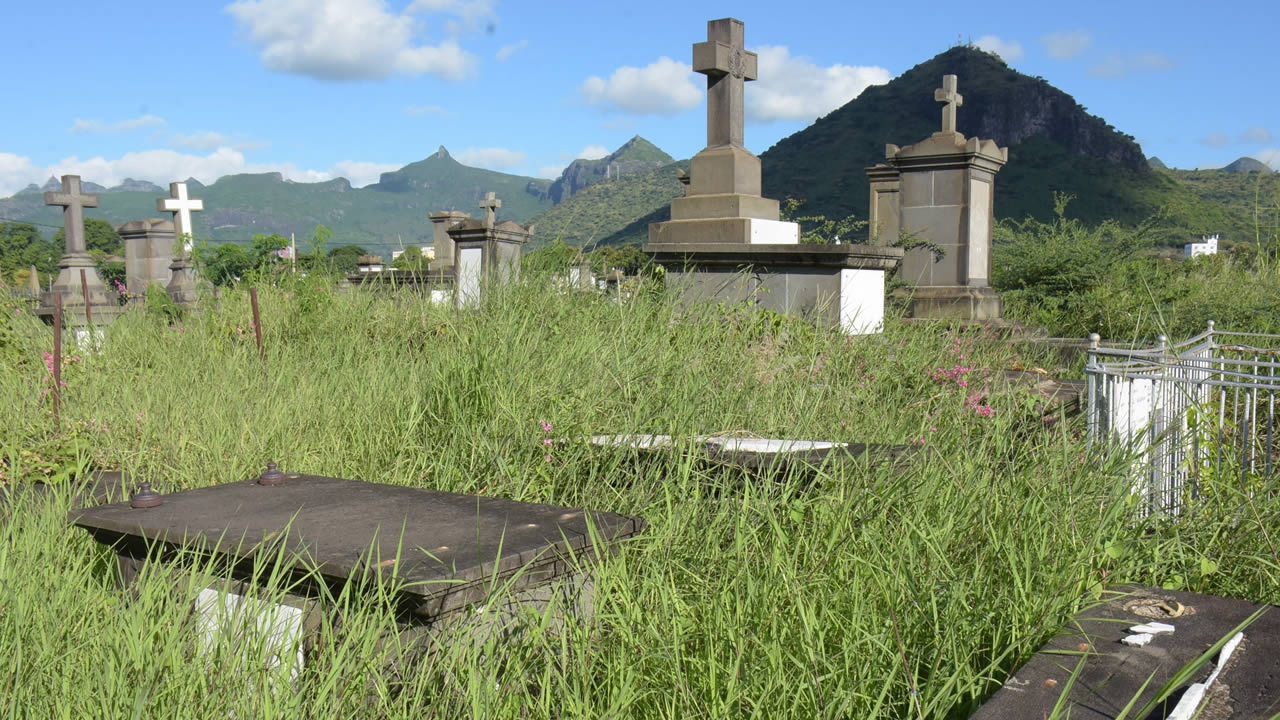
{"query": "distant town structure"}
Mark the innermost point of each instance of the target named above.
(1208, 245)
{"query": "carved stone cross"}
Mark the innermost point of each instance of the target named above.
(73, 204)
(490, 206)
(728, 66)
(950, 100)
(181, 206)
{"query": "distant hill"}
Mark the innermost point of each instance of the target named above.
(613, 212)
(378, 217)
(1054, 145)
(1248, 165)
(1240, 200)
(636, 155)
(1157, 163)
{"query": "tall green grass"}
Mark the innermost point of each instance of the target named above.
(866, 593)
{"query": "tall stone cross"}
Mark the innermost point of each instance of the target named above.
(728, 66)
(181, 206)
(490, 206)
(73, 204)
(950, 100)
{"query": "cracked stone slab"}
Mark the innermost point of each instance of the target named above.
(1247, 685)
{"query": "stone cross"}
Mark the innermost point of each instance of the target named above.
(727, 65)
(490, 206)
(73, 204)
(181, 206)
(950, 100)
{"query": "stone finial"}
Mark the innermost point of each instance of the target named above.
(490, 206)
(951, 100)
(73, 203)
(727, 64)
(181, 206)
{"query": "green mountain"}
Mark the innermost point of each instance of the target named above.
(1054, 144)
(612, 212)
(1248, 165)
(636, 155)
(378, 217)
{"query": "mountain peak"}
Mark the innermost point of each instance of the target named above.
(1248, 164)
(635, 155)
(441, 152)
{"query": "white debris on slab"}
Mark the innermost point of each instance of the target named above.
(640, 442)
(1189, 706)
(1154, 628)
(1139, 640)
(768, 445)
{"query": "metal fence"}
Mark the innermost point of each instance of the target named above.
(1201, 409)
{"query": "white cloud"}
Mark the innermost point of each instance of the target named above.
(664, 87)
(793, 88)
(593, 152)
(202, 140)
(1215, 139)
(347, 40)
(165, 166)
(1256, 134)
(98, 126)
(1271, 156)
(1066, 45)
(362, 173)
(1116, 66)
(1008, 50)
(507, 51)
(415, 110)
(491, 158)
(469, 15)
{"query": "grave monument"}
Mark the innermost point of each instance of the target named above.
(77, 275)
(725, 242)
(441, 222)
(148, 253)
(486, 252)
(942, 190)
(182, 283)
(449, 557)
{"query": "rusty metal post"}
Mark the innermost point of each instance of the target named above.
(84, 289)
(57, 357)
(257, 322)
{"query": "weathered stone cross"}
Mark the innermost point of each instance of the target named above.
(73, 204)
(181, 206)
(490, 205)
(950, 100)
(727, 65)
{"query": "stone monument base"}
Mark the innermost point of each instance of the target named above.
(978, 304)
(837, 284)
(725, 231)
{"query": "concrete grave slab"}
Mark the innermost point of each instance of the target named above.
(445, 549)
(1239, 682)
(772, 455)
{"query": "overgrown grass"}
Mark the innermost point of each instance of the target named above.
(871, 593)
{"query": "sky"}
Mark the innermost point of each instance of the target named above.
(318, 89)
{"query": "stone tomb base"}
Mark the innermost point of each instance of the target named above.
(770, 456)
(1119, 664)
(837, 284)
(459, 562)
(975, 304)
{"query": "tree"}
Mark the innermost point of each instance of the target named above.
(345, 259)
(411, 259)
(99, 235)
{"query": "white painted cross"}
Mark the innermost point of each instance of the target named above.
(181, 206)
(950, 100)
(490, 206)
(73, 204)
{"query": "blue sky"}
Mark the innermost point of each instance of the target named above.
(321, 88)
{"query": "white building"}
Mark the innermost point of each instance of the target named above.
(1207, 246)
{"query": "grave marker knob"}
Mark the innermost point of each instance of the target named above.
(271, 476)
(145, 497)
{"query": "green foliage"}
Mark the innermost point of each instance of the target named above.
(161, 306)
(629, 259)
(554, 258)
(345, 259)
(112, 273)
(616, 212)
(22, 246)
(99, 235)
(411, 259)
(818, 230)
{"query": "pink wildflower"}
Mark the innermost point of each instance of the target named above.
(546, 426)
(548, 442)
(547, 459)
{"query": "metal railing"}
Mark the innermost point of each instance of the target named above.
(1199, 409)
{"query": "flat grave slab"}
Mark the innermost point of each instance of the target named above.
(1241, 681)
(780, 455)
(446, 549)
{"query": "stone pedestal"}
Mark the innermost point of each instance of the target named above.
(441, 223)
(182, 287)
(485, 256)
(942, 191)
(148, 253)
(832, 284)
